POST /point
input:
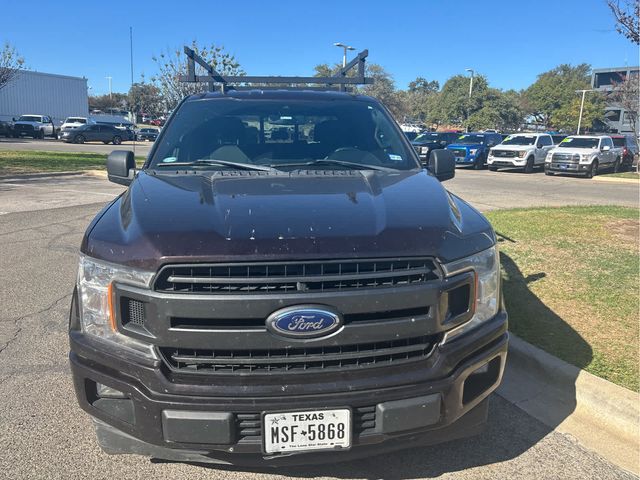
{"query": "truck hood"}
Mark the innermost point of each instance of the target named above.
(572, 151)
(24, 122)
(465, 145)
(515, 148)
(249, 216)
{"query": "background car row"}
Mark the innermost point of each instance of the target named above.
(75, 130)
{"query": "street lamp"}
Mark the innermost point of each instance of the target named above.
(582, 106)
(109, 78)
(344, 55)
(470, 80)
(472, 71)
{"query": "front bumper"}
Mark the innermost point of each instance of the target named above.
(568, 168)
(514, 162)
(456, 389)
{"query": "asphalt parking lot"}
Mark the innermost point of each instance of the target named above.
(44, 434)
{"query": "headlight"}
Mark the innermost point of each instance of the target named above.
(549, 157)
(522, 154)
(585, 157)
(97, 303)
(424, 149)
(473, 151)
(486, 266)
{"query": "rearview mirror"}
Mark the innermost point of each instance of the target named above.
(121, 167)
(442, 164)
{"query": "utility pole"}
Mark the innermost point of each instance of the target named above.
(470, 91)
(109, 78)
(581, 107)
(344, 55)
(131, 51)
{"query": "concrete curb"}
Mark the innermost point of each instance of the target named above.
(26, 176)
(600, 178)
(602, 416)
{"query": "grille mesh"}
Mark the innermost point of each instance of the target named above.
(292, 277)
(301, 359)
(135, 311)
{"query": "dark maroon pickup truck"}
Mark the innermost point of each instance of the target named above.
(284, 283)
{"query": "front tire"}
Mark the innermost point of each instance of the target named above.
(40, 135)
(79, 139)
(528, 168)
(493, 169)
(117, 140)
(593, 171)
(479, 163)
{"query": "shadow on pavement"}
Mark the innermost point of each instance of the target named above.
(510, 431)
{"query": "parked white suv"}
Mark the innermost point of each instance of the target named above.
(522, 150)
(583, 155)
(72, 123)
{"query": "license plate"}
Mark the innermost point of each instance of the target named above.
(307, 430)
(564, 167)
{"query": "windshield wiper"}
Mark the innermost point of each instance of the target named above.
(330, 161)
(220, 163)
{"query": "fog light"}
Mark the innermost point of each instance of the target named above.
(108, 392)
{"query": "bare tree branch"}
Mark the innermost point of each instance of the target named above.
(10, 64)
(627, 18)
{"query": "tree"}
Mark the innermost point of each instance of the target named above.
(568, 115)
(10, 64)
(500, 110)
(145, 98)
(626, 94)
(173, 64)
(627, 18)
(554, 90)
(107, 101)
(452, 104)
(418, 97)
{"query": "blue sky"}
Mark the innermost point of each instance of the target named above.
(508, 41)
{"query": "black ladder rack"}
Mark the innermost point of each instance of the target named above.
(340, 81)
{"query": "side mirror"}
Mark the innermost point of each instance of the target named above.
(539, 145)
(442, 164)
(14, 119)
(606, 148)
(121, 167)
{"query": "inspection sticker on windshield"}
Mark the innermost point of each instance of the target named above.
(395, 158)
(308, 430)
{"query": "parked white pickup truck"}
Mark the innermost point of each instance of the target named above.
(36, 126)
(522, 150)
(583, 155)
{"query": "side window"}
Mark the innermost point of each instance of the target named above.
(546, 140)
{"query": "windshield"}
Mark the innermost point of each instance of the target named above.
(470, 139)
(432, 137)
(575, 142)
(280, 132)
(519, 140)
(29, 118)
(75, 120)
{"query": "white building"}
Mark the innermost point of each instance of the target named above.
(58, 96)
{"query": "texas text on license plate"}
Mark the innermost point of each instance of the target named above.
(307, 430)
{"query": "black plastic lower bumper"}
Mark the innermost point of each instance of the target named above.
(151, 422)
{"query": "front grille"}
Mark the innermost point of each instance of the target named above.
(299, 359)
(295, 277)
(249, 425)
(565, 157)
(504, 153)
(459, 152)
(23, 128)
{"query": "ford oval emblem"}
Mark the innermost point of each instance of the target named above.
(307, 321)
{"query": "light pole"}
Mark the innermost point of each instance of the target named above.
(344, 55)
(582, 107)
(109, 78)
(472, 71)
